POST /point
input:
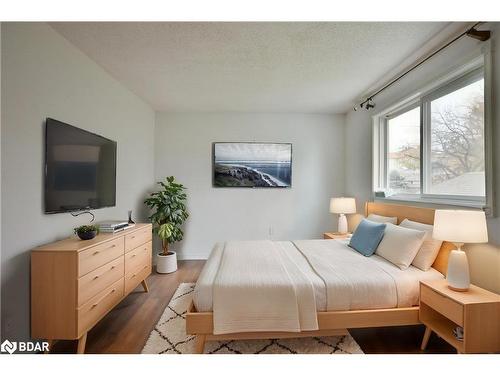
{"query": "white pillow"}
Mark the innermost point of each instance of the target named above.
(383, 219)
(400, 245)
(430, 247)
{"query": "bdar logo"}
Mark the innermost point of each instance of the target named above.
(9, 347)
(23, 346)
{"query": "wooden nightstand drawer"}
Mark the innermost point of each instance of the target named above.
(451, 309)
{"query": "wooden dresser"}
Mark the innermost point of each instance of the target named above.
(75, 283)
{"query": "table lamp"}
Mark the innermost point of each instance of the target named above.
(459, 227)
(342, 206)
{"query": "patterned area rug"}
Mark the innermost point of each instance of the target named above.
(169, 337)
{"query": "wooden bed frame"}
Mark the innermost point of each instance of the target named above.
(333, 323)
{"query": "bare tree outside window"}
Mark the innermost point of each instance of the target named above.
(404, 152)
(457, 142)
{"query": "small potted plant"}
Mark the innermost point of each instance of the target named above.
(169, 205)
(86, 232)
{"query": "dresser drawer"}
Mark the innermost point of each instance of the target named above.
(99, 255)
(137, 238)
(99, 305)
(137, 257)
(445, 306)
(99, 279)
(136, 276)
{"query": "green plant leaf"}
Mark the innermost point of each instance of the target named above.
(86, 228)
(169, 209)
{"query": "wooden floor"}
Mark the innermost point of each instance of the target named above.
(127, 327)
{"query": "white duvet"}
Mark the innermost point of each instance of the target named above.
(256, 286)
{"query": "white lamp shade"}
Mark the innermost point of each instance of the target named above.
(343, 205)
(460, 226)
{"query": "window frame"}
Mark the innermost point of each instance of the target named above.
(465, 74)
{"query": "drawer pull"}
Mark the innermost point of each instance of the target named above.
(97, 276)
(143, 268)
(133, 255)
(109, 247)
(133, 237)
(98, 302)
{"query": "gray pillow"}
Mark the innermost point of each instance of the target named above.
(382, 219)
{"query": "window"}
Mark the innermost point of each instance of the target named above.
(433, 146)
(403, 152)
(457, 142)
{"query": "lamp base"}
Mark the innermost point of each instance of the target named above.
(458, 289)
(458, 270)
(342, 225)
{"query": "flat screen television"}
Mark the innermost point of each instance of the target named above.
(252, 164)
(80, 169)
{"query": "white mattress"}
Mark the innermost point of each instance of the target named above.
(350, 285)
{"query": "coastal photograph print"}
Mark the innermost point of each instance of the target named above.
(249, 164)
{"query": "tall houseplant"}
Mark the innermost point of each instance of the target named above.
(169, 213)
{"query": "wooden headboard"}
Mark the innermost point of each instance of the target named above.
(420, 214)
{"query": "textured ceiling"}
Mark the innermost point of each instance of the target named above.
(251, 67)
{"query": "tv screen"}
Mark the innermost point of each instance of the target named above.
(80, 169)
(251, 164)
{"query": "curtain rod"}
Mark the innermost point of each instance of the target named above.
(471, 32)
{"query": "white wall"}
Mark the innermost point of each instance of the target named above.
(44, 75)
(184, 149)
(484, 259)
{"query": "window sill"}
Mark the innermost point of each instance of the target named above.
(434, 202)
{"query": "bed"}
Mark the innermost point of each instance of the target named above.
(316, 287)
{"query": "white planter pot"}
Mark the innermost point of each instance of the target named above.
(166, 263)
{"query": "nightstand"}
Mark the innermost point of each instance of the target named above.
(477, 311)
(335, 235)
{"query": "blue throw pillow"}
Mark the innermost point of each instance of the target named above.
(367, 236)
